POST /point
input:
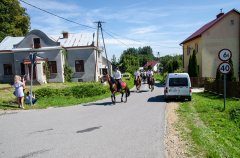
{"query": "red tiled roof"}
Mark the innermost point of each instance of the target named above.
(150, 63)
(207, 26)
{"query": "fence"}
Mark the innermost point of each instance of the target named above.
(217, 86)
(197, 81)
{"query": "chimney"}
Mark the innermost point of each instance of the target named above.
(65, 34)
(219, 15)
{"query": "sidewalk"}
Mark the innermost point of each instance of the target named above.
(197, 90)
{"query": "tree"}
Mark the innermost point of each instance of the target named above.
(230, 75)
(175, 65)
(170, 67)
(189, 65)
(114, 60)
(218, 75)
(192, 65)
(14, 20)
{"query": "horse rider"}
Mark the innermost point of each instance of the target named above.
(144, 75)
(136, 75)
(118, 77)
(149, 74)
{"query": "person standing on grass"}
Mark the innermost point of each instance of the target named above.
(19, 87)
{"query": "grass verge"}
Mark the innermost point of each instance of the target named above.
(8, 100)
(211, 129)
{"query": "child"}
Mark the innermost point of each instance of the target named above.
(28, 98)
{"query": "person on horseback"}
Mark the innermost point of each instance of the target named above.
(118, 77)
(136, 75)
(150, 79)
(149, 73)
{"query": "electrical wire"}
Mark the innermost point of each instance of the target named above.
(57, 15)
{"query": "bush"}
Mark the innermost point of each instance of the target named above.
(235, 116)
(80, 91)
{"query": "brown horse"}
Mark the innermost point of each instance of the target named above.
(151, 82)
(138, 83)
(113, 88)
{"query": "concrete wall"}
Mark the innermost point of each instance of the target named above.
(222, 35)
(88, 55)
(6, 58)
(191, 44)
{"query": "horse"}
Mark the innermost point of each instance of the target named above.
(151, 83)
(113, 88)
(138, 83)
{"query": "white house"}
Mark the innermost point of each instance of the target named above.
(78, 50)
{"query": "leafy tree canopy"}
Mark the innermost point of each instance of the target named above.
(14, 20)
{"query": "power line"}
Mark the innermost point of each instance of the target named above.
(111, 34)
(57, 15)
(116, 38)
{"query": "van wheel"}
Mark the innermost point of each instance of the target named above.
(189, 98)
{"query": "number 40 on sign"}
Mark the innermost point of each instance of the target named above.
(224, 67)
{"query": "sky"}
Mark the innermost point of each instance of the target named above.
(160, 24)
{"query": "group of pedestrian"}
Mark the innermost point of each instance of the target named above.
(19, 85)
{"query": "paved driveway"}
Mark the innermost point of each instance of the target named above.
(96, 130)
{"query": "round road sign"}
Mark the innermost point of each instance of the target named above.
(224, 54)
(224, 67)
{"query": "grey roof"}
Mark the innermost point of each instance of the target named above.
(8, 42)
(74, 39)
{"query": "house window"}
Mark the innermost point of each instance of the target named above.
(196, 47)
(7, 68)
(52, 66)
(36, 43)
(79, 65)
(188, 50)
(232, 22)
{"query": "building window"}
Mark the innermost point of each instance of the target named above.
(232, 22)
(52, 66)
(7, 68)
(36, 43)
(79, 65)
(188, 50)
(196, 47)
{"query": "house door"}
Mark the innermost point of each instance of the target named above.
(34, 71)
(23, 69)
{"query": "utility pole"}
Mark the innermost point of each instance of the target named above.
(99, 28)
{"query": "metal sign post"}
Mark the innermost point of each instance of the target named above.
(224, 55)
(32, 57)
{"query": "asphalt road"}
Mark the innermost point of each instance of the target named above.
(96, 130)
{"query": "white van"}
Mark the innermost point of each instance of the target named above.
(178, 85)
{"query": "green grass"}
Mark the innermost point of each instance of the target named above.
(208, 127)
(8, 100)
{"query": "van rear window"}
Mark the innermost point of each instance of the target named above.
(178, 82)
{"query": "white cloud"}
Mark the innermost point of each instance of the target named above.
(143, 30)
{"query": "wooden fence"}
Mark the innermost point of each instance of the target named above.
(217, 86)
(197, 81)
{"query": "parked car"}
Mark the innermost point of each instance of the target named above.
(178, 85)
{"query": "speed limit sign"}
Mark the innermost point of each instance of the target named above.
(224, 54)
(224, 67)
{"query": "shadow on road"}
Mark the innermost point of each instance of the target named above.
(158, 98)
(140, 91)
(101, 104)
